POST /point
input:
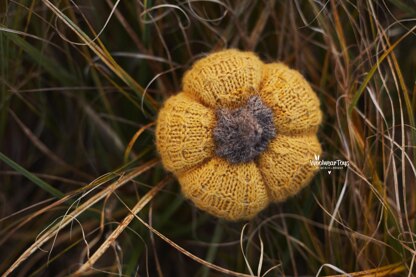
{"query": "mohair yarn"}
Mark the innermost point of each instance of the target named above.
(240, 135)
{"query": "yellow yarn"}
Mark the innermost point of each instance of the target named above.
(184, 133)
(225, 78)
(224, 189)
(185, 141)
(285, 165)
(288, 94)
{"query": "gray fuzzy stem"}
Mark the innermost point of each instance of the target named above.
(242, 134)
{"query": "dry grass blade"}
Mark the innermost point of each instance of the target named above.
(120, 228)
(43, 148)
(34, 215)
(190, 255)
(370, 74)
(253, 40)
(134, 139)
(36, 180)
(83, 207)
(103, 55)
(388, 270)
(80, 86)
(243, 252)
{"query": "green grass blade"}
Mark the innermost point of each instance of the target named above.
(213, 249)
(105, 57)
(42, 184)
(51, 66)
(370, 74)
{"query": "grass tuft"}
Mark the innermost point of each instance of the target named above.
(81, 83)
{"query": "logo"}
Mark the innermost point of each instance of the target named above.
(329, 165)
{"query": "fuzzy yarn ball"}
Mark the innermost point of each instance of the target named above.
(240, 135)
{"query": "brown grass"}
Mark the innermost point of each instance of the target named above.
(81, 187)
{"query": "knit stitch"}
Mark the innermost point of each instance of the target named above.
(240, 135)
(226, 190)
(224, 79)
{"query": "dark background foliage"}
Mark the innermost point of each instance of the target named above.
(78, 80)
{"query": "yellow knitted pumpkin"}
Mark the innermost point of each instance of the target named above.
(240, 135)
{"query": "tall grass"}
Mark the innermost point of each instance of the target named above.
(82, 190)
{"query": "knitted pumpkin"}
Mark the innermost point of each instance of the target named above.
(240, 135)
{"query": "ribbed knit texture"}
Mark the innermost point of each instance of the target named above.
(184, 133)
(224, 79)
(185, 139)
(285, 165)
(288, 94)
(226, 190)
